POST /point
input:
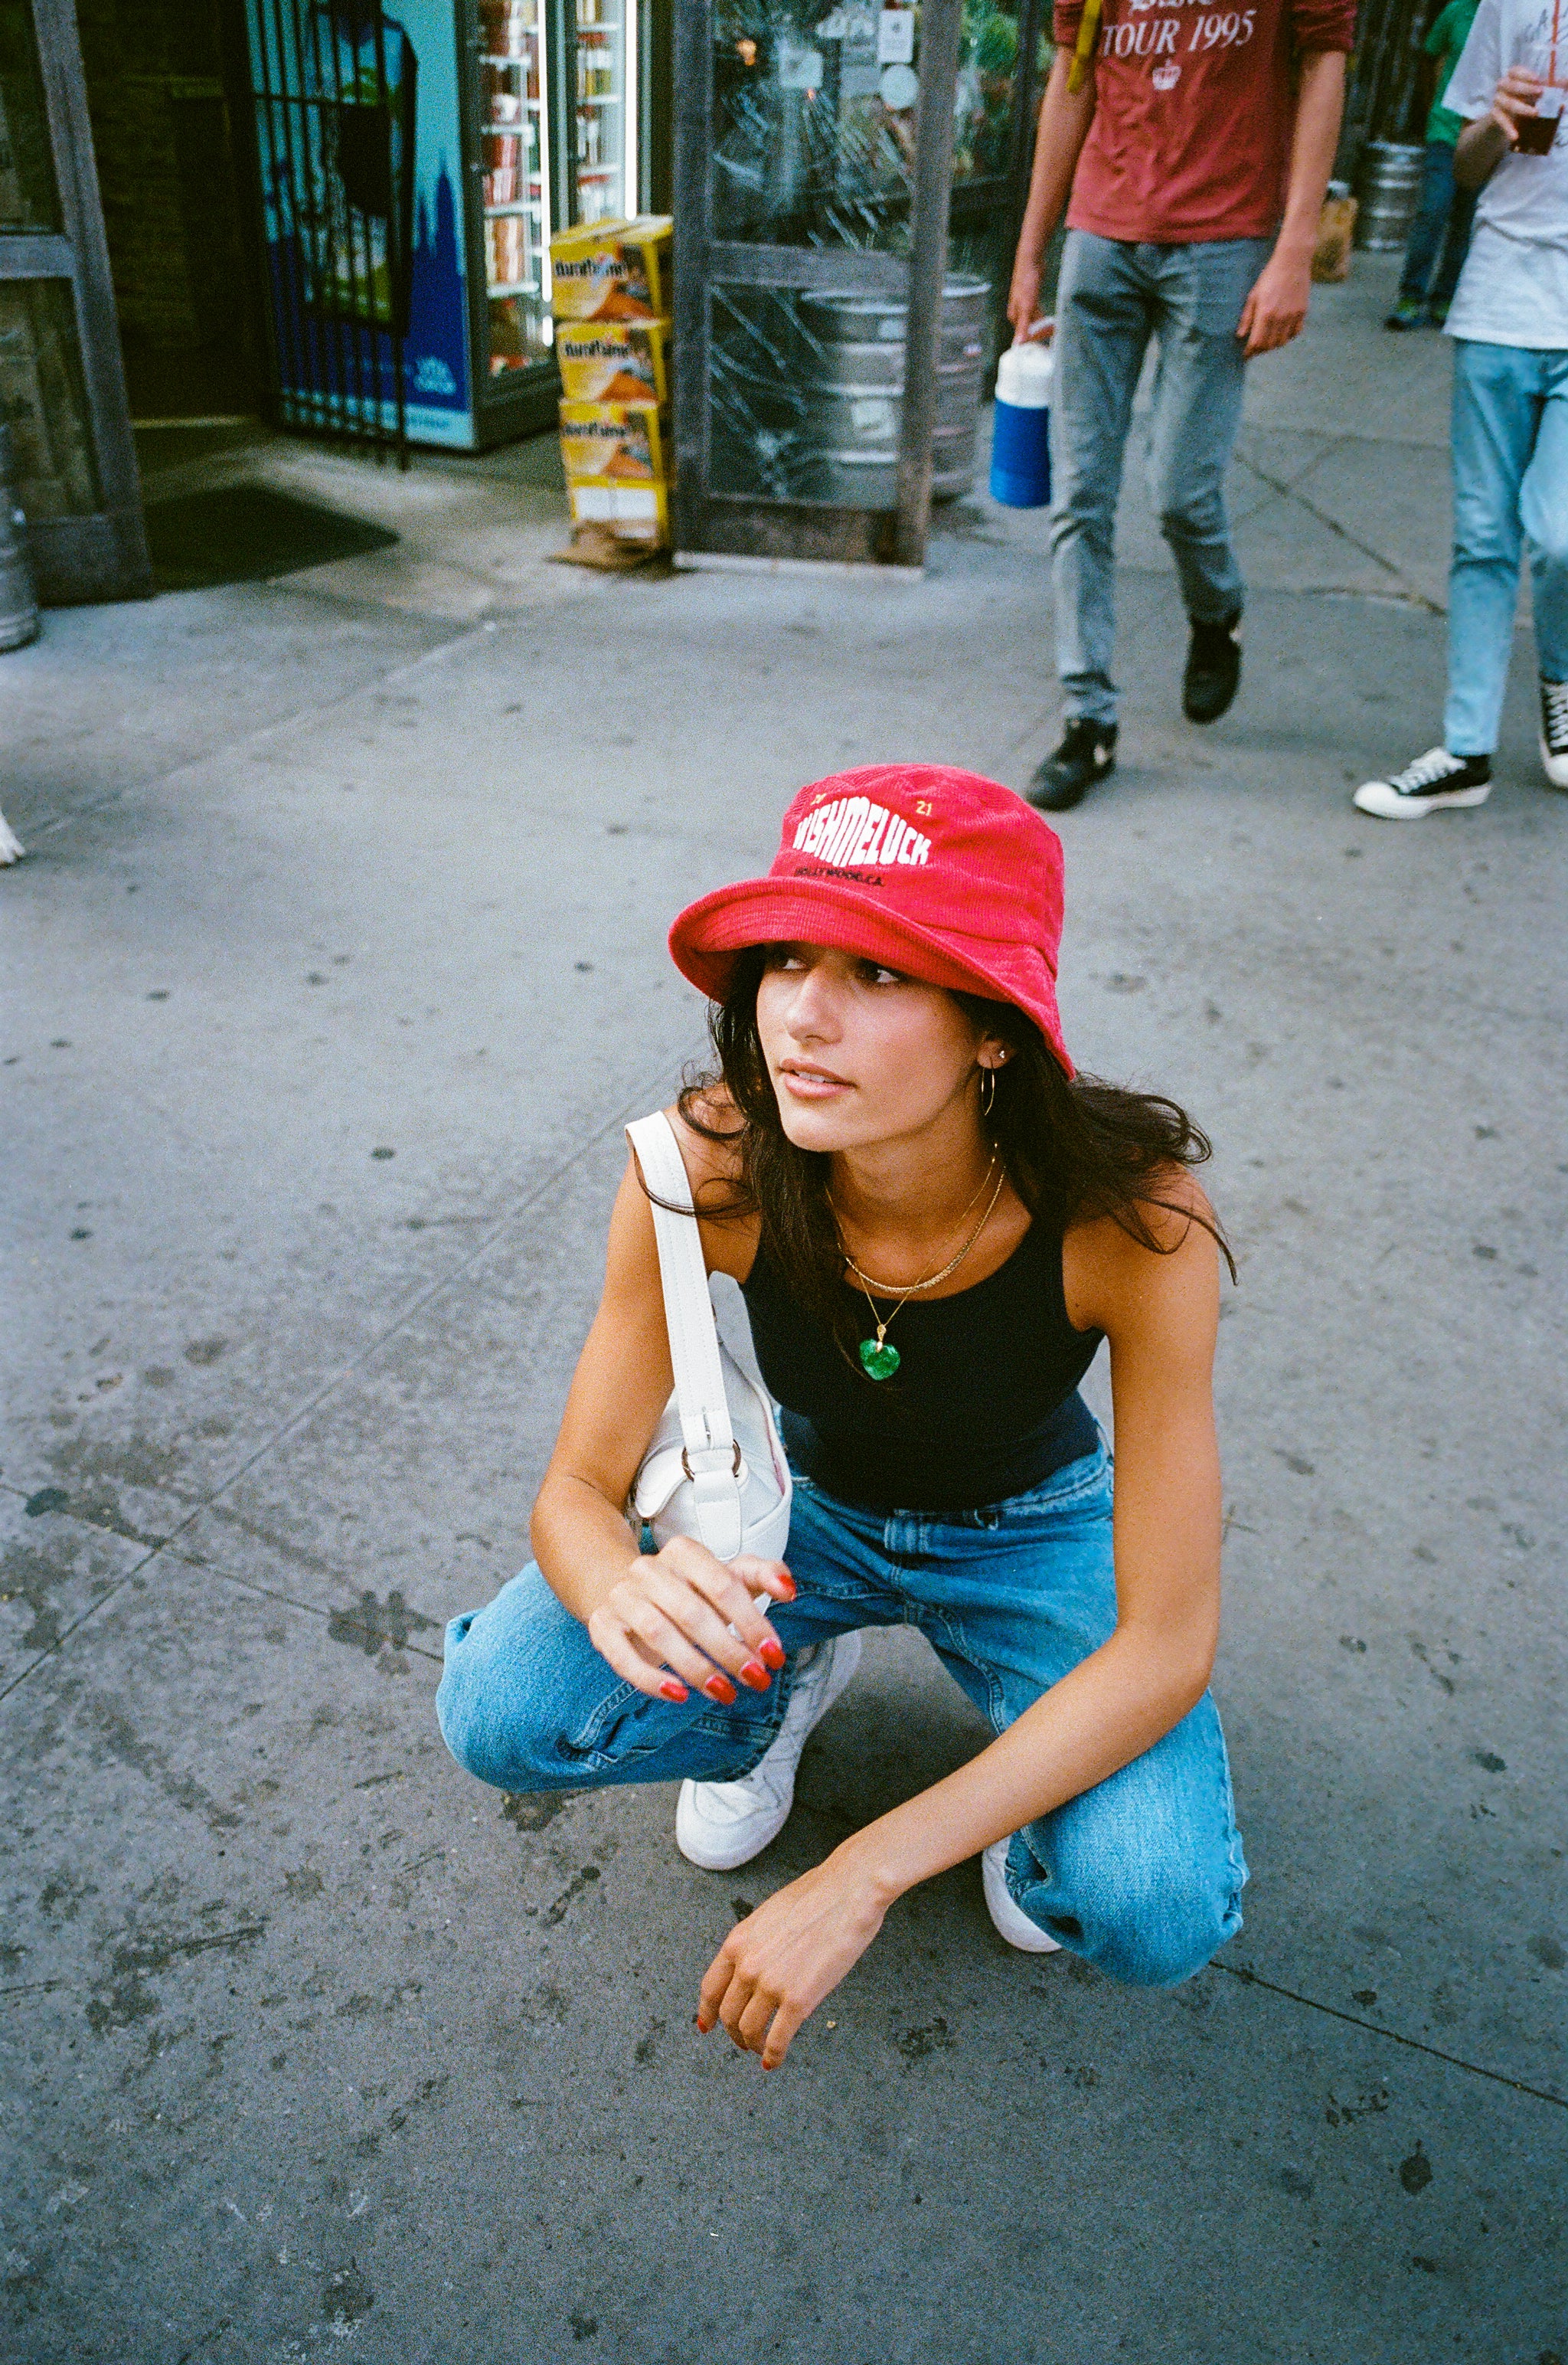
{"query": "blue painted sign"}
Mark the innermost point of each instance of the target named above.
(361, 153)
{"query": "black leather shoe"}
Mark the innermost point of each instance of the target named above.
(1087, 753)
(1214, 669)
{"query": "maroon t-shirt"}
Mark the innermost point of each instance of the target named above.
(1193, 113)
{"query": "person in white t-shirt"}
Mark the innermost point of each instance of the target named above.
(1509, 324)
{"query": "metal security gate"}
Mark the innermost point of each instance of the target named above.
(334, 87)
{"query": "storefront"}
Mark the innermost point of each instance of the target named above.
(61, 382)
(414, 162)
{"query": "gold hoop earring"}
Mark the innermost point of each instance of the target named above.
(988, 1091)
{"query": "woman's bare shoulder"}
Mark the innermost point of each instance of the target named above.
(1106, 1265)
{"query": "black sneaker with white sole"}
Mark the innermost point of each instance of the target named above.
(1214, 669)
(1434, 779)
(1087, 753)
(1554, 731)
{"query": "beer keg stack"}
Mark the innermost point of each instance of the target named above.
(853, 387)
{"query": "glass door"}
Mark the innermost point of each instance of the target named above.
(813, 165)
(604, 109)
(1005, 54)
(516, 110)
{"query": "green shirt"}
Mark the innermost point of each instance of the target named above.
(1444, 42)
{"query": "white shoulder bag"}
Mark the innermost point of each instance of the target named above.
(715, 1469)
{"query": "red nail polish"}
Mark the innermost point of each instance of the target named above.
(719, 1688)
(754, 1676)
(787, 1582)
(770, 1653)
(670, 1689)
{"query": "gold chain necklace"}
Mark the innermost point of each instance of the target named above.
(878, 1360)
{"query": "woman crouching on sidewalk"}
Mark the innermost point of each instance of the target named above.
(934, 1226)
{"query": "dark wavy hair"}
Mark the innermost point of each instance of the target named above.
(1073, 1151)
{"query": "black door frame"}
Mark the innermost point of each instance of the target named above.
(102, 555)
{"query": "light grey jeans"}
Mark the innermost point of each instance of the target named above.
(1113, 297)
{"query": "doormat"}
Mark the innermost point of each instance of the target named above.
(243, 534)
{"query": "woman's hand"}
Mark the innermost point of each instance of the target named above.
(667, 1625)
(775, 1967)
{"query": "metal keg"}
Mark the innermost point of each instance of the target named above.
(958, 379)
(18, 592)
(853, 384)
(1389, 189)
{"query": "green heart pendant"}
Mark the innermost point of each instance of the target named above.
(879, 1360)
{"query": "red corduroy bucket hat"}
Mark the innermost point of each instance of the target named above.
(949, 876)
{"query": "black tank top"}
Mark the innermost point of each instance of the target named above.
(984, 1403)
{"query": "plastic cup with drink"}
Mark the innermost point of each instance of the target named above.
(1537, 133)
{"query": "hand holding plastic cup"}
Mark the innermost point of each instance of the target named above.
(1537, 132)
(1541, 58)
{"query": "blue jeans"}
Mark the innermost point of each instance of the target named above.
(1113, 297)
(1141, 1874)
(1510, 483)
(1439, 235)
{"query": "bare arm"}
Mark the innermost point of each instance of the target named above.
(1160, 1313)
(1059, 134)
(659, 1619)
(1275, 311)
(1481, 145)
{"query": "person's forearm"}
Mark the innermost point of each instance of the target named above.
(1479, 150)
(1110, 1707)
(582, 1544)
(1320, 106)
(1064, 118)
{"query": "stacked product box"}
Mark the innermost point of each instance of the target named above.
(610, 283)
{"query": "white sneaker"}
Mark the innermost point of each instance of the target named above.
(1434, 779)
(722, 1824)
(1008, 1916)
(1554, 731)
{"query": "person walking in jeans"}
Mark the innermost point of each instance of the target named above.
(1434, 253)
(1197, 175)
(934, 1224)
(1509, 324)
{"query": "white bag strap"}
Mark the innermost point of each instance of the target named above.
(712, 1456)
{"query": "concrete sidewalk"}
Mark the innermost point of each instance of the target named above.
(336, 965)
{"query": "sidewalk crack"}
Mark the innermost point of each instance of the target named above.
(1252, 1978)
(1286, 490)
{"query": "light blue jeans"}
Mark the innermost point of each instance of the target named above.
(1113, 296)
(1510, 483)
(1141, 1874)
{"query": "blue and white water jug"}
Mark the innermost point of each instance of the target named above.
(1020, 448)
